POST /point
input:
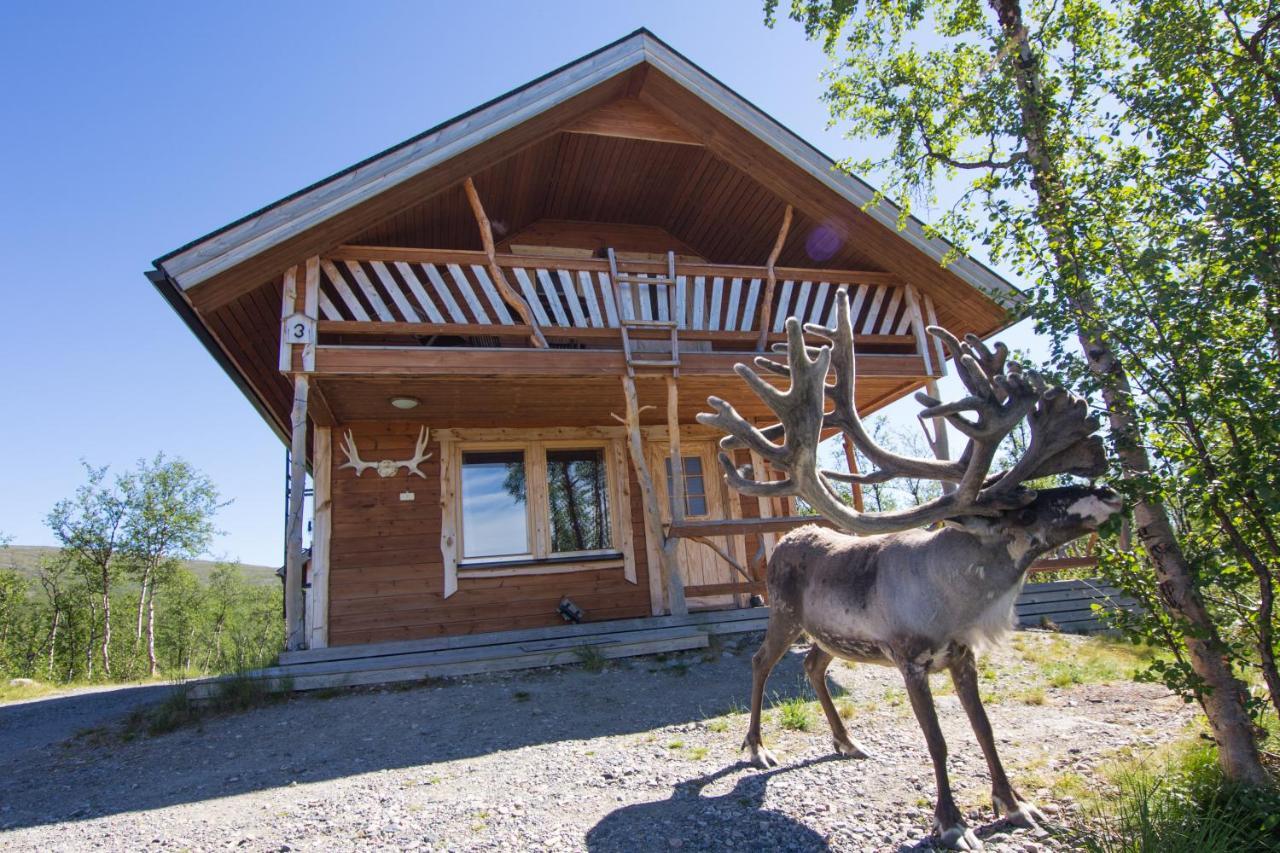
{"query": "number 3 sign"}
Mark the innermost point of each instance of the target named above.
(298, 329)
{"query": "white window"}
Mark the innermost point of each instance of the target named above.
(533, 507)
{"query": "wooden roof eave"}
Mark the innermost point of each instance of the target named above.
(173, 295)
(216, 255)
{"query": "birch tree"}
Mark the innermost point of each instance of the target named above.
(1013, 109)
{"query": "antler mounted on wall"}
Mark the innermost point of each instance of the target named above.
(387, 467)
(1001, 394)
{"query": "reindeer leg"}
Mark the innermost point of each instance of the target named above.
(1004, 798)
(777, 638)
(815, 666)
(949, 823)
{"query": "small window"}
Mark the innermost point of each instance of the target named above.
(577, 491)
(695, 489)
(494, 497)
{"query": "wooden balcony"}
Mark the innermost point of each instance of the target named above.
(430, 299)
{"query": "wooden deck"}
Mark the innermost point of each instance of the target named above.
(1064, 605)
(469, 654)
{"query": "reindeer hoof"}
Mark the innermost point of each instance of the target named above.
(850, 749)
(760, 755)
(959, 837)
(1021, 813)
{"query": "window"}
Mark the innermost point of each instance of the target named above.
(536, 502)
(577, 490)
(695, 489)
(494, 501)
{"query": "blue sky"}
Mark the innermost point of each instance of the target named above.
(132, 128)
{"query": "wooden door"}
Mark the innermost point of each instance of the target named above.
(705, 498)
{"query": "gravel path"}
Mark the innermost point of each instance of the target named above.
(35, 723)
(642, 756)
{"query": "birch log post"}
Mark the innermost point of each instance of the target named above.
(652, 511)
(293, 602)
(509, 295)
(766, 310)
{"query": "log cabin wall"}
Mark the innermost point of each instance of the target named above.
(387, 573)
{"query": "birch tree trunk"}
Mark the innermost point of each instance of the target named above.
(106, 624)
(1224, 698)
(151, 631)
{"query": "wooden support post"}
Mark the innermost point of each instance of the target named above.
(311, 309)
(652, 510)
(673, 445)
(766, 310)
(938, 441)
(317, 611)
(851, 459)
(764, 505)
(671, 545)
(293, 599)
(509, 295)
(288, 305)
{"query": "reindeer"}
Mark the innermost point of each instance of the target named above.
(894, 594)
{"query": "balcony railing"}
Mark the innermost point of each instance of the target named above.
(372, 290)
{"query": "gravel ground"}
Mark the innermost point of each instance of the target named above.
(34, 723)
(642, 756)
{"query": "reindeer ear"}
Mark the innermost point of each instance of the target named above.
(976, 525)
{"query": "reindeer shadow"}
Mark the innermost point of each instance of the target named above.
(735, 821)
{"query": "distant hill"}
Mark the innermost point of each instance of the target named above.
(26, 559)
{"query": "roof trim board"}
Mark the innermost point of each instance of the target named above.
(223, 250)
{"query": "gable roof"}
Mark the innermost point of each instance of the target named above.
(247, 244)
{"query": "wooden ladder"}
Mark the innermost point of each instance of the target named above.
(627, 324)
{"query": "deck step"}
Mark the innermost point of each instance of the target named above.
(455, 662)
(714, 621)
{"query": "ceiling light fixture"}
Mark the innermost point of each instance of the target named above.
(405, 402)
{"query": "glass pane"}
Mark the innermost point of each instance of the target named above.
(493, 504)
(695, 490)
(694, 487)
(578, 488)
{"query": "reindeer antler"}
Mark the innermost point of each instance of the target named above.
(1000, 395)
(353, 455)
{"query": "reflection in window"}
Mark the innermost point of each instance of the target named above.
(695, 489)
(577, 487)
(494, 523)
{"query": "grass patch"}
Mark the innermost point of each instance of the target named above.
(34, 690)
(795, 714)
(179, 709)
(1178, 801)
(1031, 696)
(845, 708)
(1065, 663)
(591, 658)
(719, 724)
(675, 744)
(696, 753)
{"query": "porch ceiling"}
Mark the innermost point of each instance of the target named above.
(523, 402)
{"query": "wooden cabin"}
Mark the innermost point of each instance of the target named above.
(488, 343)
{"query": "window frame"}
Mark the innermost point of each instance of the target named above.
(541, 559)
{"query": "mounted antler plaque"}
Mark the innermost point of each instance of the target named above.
(387, 467)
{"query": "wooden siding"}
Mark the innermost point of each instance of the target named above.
(387, 575)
